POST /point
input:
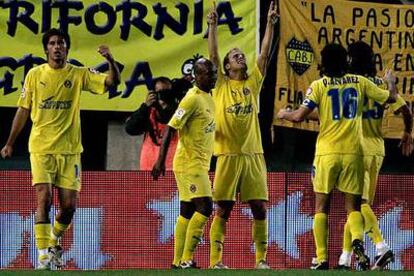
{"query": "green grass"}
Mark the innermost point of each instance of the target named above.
(230, 272)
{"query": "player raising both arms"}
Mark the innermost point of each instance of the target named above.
(238, 146)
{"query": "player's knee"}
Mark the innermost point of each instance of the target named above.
(258, 209)
(67, 215)
(205, 207)
(224, 209)
(187, 209)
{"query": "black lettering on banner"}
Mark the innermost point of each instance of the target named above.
(27, 62)
(327, 13)
(137, 21)
(141, 69)
(293, 97)
(23, 17)
(90, 13)
(132, 13)
(65, 19)
(165, 19)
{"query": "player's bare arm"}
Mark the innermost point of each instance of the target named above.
(272, 18)
(212, 20)
(159, 166)
(18, 123)
(406, 142)
(296, 116)
(114, 76)
(390, 78)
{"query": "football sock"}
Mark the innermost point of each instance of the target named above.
(347, 240)
(356, 225)
(42, 235)
(320, 233)
(179, 239)
(194, 234)
(217, 233)
(371, 224)
(57, 232)
(259, 233)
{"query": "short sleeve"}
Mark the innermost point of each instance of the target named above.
(94, 81)
(398, 104)
(184, 111)
(257, 77)
(25, 98)
(312, 99)
(374, 92)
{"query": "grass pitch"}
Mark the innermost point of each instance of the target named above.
(195, 272)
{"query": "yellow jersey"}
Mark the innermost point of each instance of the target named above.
(53, 96)
(194, 120)
(372, 117)
(238, 130)
(340, 105)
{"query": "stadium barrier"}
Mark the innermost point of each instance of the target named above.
(126, 220)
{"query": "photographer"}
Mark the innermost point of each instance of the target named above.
(151, 118)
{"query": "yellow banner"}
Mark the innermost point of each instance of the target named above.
(306, 26)
(147, 38)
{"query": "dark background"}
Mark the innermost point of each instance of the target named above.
(291, 149)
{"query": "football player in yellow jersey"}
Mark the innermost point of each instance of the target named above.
(362, 63)
(51, 96)
(338, 159)
(194, 120)
(240, 163)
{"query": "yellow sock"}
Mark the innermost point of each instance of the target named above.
(57, 232)
(179, 238)
(194, 234)
(42, 235)
(259, 233)
(371, 224)
(356, 225)
(347, 241)
(217, 233)
(320, 233)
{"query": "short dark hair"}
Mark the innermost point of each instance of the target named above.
(334, 60)
(161, 79)
(48, 34)
(361, 59)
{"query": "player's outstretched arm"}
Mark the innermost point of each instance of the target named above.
(114, 75)
(212, 20)
(390, 78)
(296, 116)
(18, 123)
(263, 58)
(159, 166)
(406, 143)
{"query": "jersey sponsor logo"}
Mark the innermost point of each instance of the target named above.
(239, 109)
(49, 104)
(179, 113)
(67, 84)
(300, 55)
